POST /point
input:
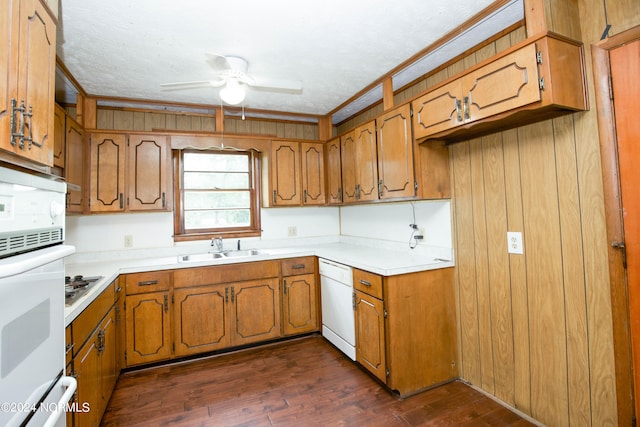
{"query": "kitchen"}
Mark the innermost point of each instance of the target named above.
(508, 306)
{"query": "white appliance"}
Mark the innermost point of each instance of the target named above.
(33, 389)
(338, 321)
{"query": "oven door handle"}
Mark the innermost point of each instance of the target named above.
(71, 385)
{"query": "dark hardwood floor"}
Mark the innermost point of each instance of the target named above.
(305, 382)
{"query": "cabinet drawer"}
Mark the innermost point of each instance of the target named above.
(230, 273)
(153, 281)
(295, 266)
(84, 325)
(369, 283)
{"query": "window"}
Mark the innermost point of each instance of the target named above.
(216, 194)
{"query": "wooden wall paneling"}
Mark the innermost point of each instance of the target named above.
(518, 274)
(209, 124)
(138, 120)
(624, 14)
(154, 121)
(479, 222)
(104, 119)
(573, 270)
(183, 122)
(122, 120)
(170, 122)
(498, 268)
(547, 329)
(470, 368)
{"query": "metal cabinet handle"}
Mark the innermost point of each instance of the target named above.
(465, 108)
(298, 266)
(284, 286)
(274, 197)
(148, 283)
(166, 303)
(233, 293)
(68, 348)
(365, 282)
(304, 196)
(164, 199)
(121, 201)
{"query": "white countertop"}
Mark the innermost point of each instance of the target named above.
(372, 259)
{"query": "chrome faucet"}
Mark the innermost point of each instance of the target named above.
(217, 242)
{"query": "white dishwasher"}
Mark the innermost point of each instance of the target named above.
(338, 323)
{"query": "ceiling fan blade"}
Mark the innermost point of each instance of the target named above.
(193, 84)
(277, 85)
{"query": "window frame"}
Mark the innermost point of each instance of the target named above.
(253, 230)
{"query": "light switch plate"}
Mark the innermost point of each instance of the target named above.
(514, 242)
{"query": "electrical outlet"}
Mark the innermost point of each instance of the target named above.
(293, 231)
(514, 242)
(128, 240)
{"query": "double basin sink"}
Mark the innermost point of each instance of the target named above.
(208, 256)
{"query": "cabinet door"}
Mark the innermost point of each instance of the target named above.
(438, 110)
(148, 328)
(87, 368)
(106, 189)
(59, 128)
(395, 154)
(36, 78)
(349, 167)
(285, 173)
(299, 304)
(147, 173)
(108, 362)
(201, 319)
(366, 162)
(502, 85)
(74, 170)
(256, 311)
(8, 74)
(312, 169)
(370, 340)
(333, 169)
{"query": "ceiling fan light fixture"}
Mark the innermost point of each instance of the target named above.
(232, 93)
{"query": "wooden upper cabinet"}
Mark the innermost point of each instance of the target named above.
(74, 170)
(27, 66)
(359, 164)
(312, 171)
(366, 162)
(297, 173)
(395, 154)
(145, 188)
(333, 171)
(535, 80)
(106, 189)
(59, 128)
(349, 167)
(285, 173)
(148, 185)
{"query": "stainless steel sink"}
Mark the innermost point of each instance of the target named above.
(242, 253)
(208, 256)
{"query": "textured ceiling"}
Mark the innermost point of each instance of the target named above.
(336, 48)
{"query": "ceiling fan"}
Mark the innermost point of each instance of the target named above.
(230, 73)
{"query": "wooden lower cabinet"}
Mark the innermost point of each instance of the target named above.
(95, 368)
(407, 338)
(148, 328)
(370, 336)
(299, 304)
(255, 313)
(202, 319)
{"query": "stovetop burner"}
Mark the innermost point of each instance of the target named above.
(77, 286)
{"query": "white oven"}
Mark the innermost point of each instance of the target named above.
(33, 388)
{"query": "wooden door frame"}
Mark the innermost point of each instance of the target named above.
(614, 219)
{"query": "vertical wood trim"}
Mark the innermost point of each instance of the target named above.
(387, 93)
(325, 131)
(219, 120)
(613, 218)
(535, 17)
(517, 274)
